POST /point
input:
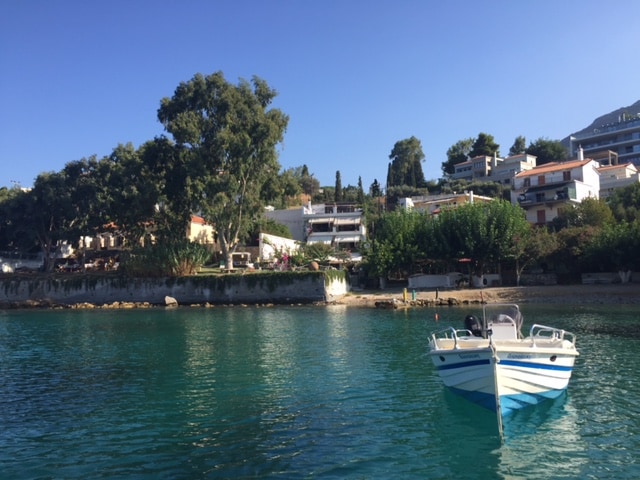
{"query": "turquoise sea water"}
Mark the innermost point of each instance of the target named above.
(297, 392)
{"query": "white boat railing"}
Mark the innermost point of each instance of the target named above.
(537, 332)
(550, 333)
(450, 333)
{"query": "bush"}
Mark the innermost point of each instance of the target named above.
(176, 259)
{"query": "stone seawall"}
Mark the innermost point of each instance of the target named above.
(305, 287)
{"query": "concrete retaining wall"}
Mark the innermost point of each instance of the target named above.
(252, 288)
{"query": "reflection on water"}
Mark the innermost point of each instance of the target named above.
(297, 392)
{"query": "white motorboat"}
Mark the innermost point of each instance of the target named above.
(490, 363)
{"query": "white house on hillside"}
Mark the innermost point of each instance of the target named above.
(503, 170)
(493, 169)
(617, 176)
(339, 225)
(543, 191)
(434, 204)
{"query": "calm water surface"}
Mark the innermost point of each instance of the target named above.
(298, 392)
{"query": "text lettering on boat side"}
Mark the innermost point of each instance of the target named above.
(469, 355)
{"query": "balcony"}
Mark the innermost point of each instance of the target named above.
(547, 195)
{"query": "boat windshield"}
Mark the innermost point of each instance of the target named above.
(501, 312)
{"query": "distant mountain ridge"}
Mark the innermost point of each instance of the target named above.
(612, 117)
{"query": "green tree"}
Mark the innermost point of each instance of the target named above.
(338, 192)
(519, 146)
(394, 246)
(570, 255)
(17, 226)
(616, 247)
(374, 189)
(591, 212)
(360, 196)
(484, 145)
(625, 203)
(405, 167)
(457, 153)
(309, 184)
(163, 202)
(51, 212)
(546, 151)
(532, 245)
(283, 190)
(483, 232)
(128, 191)
(229, 135)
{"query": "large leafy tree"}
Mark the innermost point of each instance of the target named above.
(135, 186)
(51, 212)
(483, 232)
(590, 212)
(546, 151)
(615, 247)
(405, 167)
(519, 146)
(625, 203)
(395, 246)
(484, 145)
(457, 153)
(17, 232)
(229, 136)
(530, 246)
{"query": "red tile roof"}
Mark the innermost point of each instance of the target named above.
(554, 167)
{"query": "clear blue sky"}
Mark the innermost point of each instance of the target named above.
(80, 77)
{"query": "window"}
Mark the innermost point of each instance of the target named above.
(527, 182)
(542, 217)
(566, 176)
(540, 179)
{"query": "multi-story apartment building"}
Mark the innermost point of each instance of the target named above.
(503, 170)
(545, 190)
(340, 225)
(621, 137)
(473, 169)
(494, 169)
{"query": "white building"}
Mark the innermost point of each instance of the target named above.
(434, 204)
(617, 176)
(339, 225)
(543, 191)
(494, 169)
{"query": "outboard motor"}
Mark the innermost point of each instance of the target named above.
(474, 325)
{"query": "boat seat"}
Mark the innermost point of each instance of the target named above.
(503, 328)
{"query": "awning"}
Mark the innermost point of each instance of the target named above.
(347, 221)
(348, 239)
(313, 238)
(320, 220)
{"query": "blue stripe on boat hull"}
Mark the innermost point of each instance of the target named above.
(543, 366)
(508, 403)
(485, 400)
(472, 363)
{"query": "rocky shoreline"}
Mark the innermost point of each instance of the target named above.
(608, 294)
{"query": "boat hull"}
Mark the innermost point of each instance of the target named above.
(505, 377)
